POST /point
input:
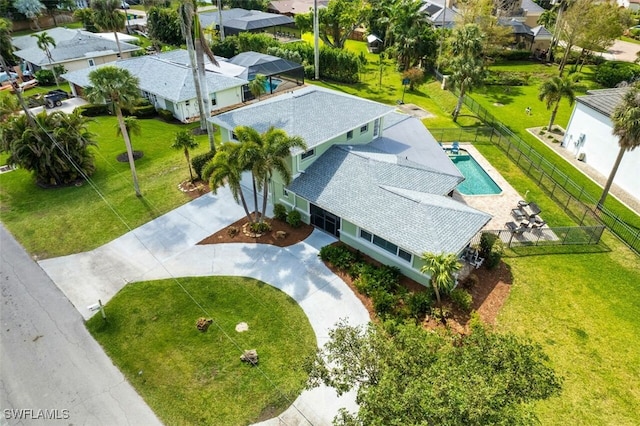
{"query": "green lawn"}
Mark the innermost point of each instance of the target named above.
(55, 222)
(190, 377)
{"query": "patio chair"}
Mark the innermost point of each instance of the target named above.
(518, 214)
(532, 210)
(515, 228)
(478, 262)
(455, 147)
(538, 225)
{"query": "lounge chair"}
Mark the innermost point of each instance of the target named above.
(515, 228)
(478, 262)
(518, 214)
(531, 210)
(539, 224)
(455, 147)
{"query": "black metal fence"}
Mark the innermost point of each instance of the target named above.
(557, 236)
(576, 201)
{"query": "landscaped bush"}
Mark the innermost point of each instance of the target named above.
(260, 227)
(373, 278)
(144, 111)
(339, 256)
(166, 115)
(507, 78)
(199, 161)
(462, 299)
(509, 55)
(45, 77)
(93, 110)
(384, 302)
(294, 219)
(419, 303)
(492, 249)
(280, 212)
(612, 73)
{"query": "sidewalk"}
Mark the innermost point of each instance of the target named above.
(166, 248)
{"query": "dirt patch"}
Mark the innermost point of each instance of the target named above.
(555, 136)
(194, 189)
(124, 157)
(415, 110)
(233, 234)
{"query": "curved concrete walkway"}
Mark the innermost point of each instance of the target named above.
(166, 248)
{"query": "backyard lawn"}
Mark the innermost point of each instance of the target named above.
(55, 222)
(190, 377)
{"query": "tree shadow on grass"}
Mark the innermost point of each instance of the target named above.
(503, 94)
(523, 251)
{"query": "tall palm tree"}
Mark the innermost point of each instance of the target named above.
(553, 91)
(107, 17)
(44, 41)
(6, 55)
(410, 31)
(185, 141)
(118, 86)
(226, 168)
(626, 126)
(132, 125)
(257, 85)
(267, 153)
(441, 267)
(466, 65)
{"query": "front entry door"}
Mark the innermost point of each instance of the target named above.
(325, 220)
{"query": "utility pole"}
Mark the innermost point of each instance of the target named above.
(316, 41)
(219, 5)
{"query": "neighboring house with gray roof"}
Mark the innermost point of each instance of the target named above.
(590, 139)
(169, 85)
(75, 50)
(238, 20)
(374, 178)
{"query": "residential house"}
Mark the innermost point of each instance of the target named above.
(374, 178)
(294, 7)
(74, 49)
(238, 20)
(632, 5)
(589, 138)
(166, 80)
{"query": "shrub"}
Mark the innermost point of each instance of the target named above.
(232, 231)
(280, 212)
(143, 111)
(462, 299)
(506, 78)
(339, 256)
(383, 302)
(495, 255)
(486, 242)
(93, 110)
(471, 281)
(166, 115)
(415, 76)
(419, 303)
(294, 219)
(612, 73)
(260, 227)
(45, 77)
(199, 161)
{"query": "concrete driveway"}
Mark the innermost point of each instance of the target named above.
(68, 105)
(622, 51)
(166, 248)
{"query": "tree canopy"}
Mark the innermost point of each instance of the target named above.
(411, 376)
(336, 21)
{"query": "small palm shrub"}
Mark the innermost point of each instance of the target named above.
(260, 227)
(419, 303)
(294, 219)
(462, 299)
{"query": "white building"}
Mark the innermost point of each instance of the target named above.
(589, 138)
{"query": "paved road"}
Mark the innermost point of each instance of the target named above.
(48, 360)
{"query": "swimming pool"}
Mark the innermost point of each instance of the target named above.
(270, 87)
(477, 181)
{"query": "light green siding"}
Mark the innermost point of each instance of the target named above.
(347, 227)
(382, 257)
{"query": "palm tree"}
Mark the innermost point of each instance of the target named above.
(411, 32)
(107, 17)
(265, 154)
(56, 151)
(226, 168)
(44, 42)
(118, 86)
(185, 141)
(441, 267)
(626, 126)
(132, 125)
(257, 86)
(6, 55)
(553, 91)
(466, 65)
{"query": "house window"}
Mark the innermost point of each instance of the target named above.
(285, 192)
(404, 255)
(350, 134)
(364, 128)
(213, 101)
(234, 136)
(308, 154)
(385, 245)
(364, 234)
(187, 103)
(92, 63)
(376, 127)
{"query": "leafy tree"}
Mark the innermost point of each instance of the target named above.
(548, 19)
(226, 168)
(85, 15)
(626, 126)
(257, 86)
(120, 88)
(336, 21)
(410, 33)
(164, 25)
(32, 9)
(56, 150)
(246, 4)
(107, 17)
(132, 125)
(185, 141)
(9, 105)
(553, 91)
(44, 41)
(482, 14)
(6, 48)
(440, 267)
(416, 377)
(265, 154)
(466, 63)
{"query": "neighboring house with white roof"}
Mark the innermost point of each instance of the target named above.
(632, 5)
(166, 81)
(374, 178)
(589, 138)
(75, 49)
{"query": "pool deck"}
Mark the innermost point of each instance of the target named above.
(499, 206)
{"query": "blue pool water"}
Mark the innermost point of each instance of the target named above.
(271, 86)
(477, 181)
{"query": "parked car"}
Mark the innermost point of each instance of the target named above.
(124, 5)
(54, 98)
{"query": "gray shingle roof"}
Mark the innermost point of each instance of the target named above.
(82, 45)
(304, 113)
(243, 19)
(166, 79)
(604, 100)
(531, 6)
(354, 184)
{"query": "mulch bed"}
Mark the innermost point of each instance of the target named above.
(124, 157)
(293, 235)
